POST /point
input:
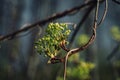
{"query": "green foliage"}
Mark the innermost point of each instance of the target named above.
(116, 64)
(49, 44)
(118, 78)
(79, 72)
(115, 33)
(59, 78)
(83, 39)
(74, 58)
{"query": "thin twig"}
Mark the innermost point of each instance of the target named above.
(65, 64)
(118, 2)
(73, 51)
(80, 24)
(105, 12)
(113, 52)
(49, 19)
(92, 38)
(62, 45)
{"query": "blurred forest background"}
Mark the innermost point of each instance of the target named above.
(19, 60)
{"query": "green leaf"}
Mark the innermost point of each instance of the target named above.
(83, 39)
(115, 31)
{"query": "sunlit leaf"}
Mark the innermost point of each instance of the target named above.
(115, 31)
(81, 71)
(83, 39)
(74, 57)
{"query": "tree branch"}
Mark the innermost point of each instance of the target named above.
(73, 51)
(105, 12)
(117, 2)
(92, 38)
(80, 23)
(113, 52)
(49, 19)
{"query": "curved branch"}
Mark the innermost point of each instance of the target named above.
(92, 38)
(105, 12)
(73, 51)
(80, 23)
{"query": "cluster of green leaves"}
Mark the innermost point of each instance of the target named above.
(49, 44)
(115, 30)
(81, 72)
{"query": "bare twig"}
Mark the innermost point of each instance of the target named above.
(80, 23)
(49, 19)
(118, 2)
(73, 51)
(62, 45)
(105, 12)
(114, 51)
(65, 63)
(92, 38)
